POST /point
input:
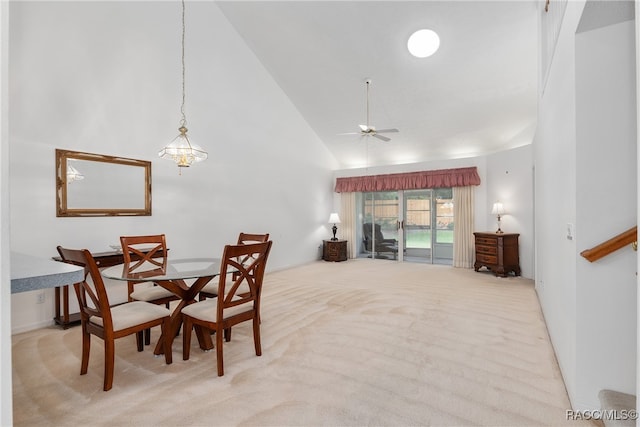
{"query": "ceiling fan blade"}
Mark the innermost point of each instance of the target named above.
(384, 138)
(367, 130)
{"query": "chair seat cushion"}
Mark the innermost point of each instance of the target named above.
(151, 293)
(212, 288)
(132, 314)
(207, 310)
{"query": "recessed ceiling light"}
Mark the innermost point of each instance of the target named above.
(423, 43)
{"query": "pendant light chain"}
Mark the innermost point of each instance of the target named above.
(183, 122)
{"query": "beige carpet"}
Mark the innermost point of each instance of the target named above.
(344, 344)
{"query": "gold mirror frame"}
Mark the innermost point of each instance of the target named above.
(107, 191)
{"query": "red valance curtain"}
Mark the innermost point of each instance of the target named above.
(460, 177)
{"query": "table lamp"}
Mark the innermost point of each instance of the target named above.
(498, 209)
(334, 219)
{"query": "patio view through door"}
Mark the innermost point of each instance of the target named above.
(428, 226)
(378, 225)
(410, 225)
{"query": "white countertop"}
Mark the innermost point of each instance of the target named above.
(29, 273)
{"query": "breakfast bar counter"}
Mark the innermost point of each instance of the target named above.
(30, 273)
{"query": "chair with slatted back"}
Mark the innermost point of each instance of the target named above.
(231, 307)
(110, 323)
(211, 289)
(141, 252)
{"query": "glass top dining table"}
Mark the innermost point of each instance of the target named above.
(171, 269)
(172, 274)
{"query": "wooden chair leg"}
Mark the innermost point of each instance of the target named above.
(256, 336)
(109, 362)
(147, 336)
(186, 338)
(168, 354)
(219, 359)
(86, 347)
(227, 334)
(140, 341)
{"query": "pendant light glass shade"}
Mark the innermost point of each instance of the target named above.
(181, 150)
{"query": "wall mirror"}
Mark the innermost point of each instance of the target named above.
(100, 185)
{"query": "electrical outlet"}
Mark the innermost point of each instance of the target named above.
(41, 298)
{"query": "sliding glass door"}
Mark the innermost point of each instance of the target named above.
(378, 221)
(417, 223)
(410, 225)
(442, 240)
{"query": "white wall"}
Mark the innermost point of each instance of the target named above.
(578, 158)
(6, 389)
(554, 160)
(105, 77)
(605, 206)
(637, 52)
(510, 180)
(506, 175)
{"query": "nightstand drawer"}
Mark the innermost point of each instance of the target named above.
(486, 241)
(489, 259)
(333, 250)
(490, 250)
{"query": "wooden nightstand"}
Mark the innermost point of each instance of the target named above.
(498, 252)
(334, 250)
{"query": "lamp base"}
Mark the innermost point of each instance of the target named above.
(335, 229)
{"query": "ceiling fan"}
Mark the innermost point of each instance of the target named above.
(367, 130)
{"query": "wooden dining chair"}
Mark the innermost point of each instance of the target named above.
(140, 252)
(110, 323)
(210, 290)
(230, 307)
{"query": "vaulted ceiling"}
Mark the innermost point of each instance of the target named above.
(476, 95)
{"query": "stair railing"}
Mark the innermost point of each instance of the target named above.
(629, 237)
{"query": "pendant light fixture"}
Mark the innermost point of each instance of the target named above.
(181, 150)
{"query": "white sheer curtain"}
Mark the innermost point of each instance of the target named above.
(463, 241)
(348, 226)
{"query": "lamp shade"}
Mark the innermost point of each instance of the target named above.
(334, 218)
(498, 208)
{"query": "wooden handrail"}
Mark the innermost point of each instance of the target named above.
(613, 244)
